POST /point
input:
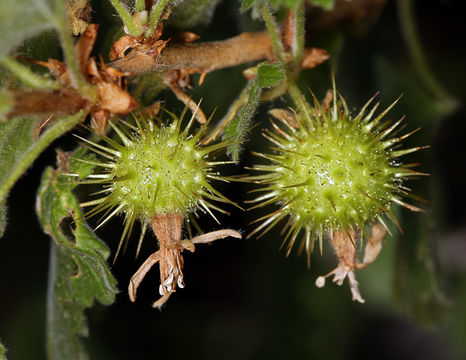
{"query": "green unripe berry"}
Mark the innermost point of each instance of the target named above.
(331, 172)
(154, 170)
(331, 175)
(160, 172)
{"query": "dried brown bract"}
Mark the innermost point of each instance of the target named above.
(152, 46)
(113, 99)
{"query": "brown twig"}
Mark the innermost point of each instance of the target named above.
(47, 102)
(200, 57)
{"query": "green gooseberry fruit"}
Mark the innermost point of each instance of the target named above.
(331, 171)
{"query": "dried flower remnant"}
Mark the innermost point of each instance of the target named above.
(345, 248)
(333, 175)
(159, 174)
(167, 228)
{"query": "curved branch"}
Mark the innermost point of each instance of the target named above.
(200, 57)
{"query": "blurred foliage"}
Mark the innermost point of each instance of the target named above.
(21, 19)
(244, 299)
(192, 15)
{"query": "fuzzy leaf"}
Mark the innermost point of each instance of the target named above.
(16, 137)
(267, 75)
(19, 149)
(78, 273)
(21, 19)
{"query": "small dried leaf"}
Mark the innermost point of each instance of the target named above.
(120, 46)
(313, 57)
(114, 99)
(185, 37)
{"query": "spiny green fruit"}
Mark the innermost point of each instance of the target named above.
(156, 169)
(331, 171)
(158, 174)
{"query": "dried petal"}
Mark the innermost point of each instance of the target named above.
(354, 286)
(373, 246)
(99, 120)
(345, 247)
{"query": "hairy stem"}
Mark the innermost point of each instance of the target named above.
(229, 116)
(71, 60)
(155, 14)
(127, 19)
(274, 33)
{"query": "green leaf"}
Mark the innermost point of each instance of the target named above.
(21, 19)
(19, 149)
(78, 272)
(16, 139)
(2, 352)
(326, 4)
(267, 75)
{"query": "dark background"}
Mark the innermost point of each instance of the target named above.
(243, 298)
